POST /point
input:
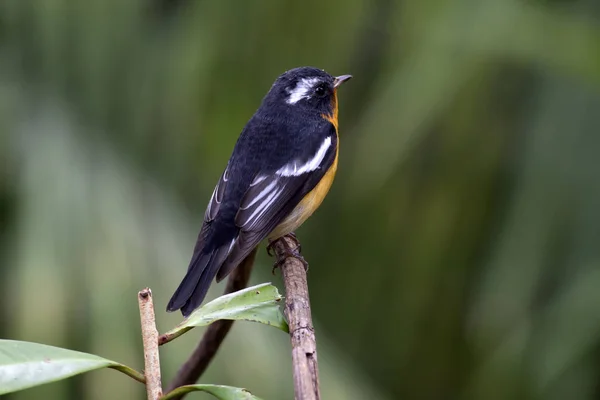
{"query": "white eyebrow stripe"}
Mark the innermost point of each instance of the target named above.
(292, 168)
(301, 90)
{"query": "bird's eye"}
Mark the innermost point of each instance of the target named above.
(320, 90)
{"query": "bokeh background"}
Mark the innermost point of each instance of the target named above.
(456, 257)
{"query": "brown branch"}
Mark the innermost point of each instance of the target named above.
(150, 340)
(197, 363)
(297, 311)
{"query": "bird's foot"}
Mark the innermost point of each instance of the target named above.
(271, 251)
(297, 242)
(294, 253)
(288, 252)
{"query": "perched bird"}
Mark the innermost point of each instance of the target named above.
(281, 168)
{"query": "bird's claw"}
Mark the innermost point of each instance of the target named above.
(296, 254)
(295, 238)
(270, 248)
(288, 252)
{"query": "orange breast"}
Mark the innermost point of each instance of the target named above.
(307, 205)
(314, 198)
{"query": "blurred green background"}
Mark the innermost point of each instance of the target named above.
(456, 257)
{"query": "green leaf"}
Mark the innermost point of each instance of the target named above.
(25, 364)
(219, 391)
(258, 303)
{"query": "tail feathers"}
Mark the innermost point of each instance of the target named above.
(194, 286)
(190, 281)
(200, 290)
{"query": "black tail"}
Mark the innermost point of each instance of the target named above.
(197, 280)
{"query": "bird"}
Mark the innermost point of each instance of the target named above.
(281, 168)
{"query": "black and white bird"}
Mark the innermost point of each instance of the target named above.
(281, 169)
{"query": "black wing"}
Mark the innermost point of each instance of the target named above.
(205, 262)
(244, 210)
(272, 196)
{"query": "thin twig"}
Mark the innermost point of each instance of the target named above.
(167, 337)
(197, 363)
(132, 373)
(150, 339)
(297, 311)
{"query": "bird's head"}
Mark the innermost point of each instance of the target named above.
(307, 89)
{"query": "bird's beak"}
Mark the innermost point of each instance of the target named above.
(341, 79)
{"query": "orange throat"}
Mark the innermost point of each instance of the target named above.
(333, 117)
(309, 204)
